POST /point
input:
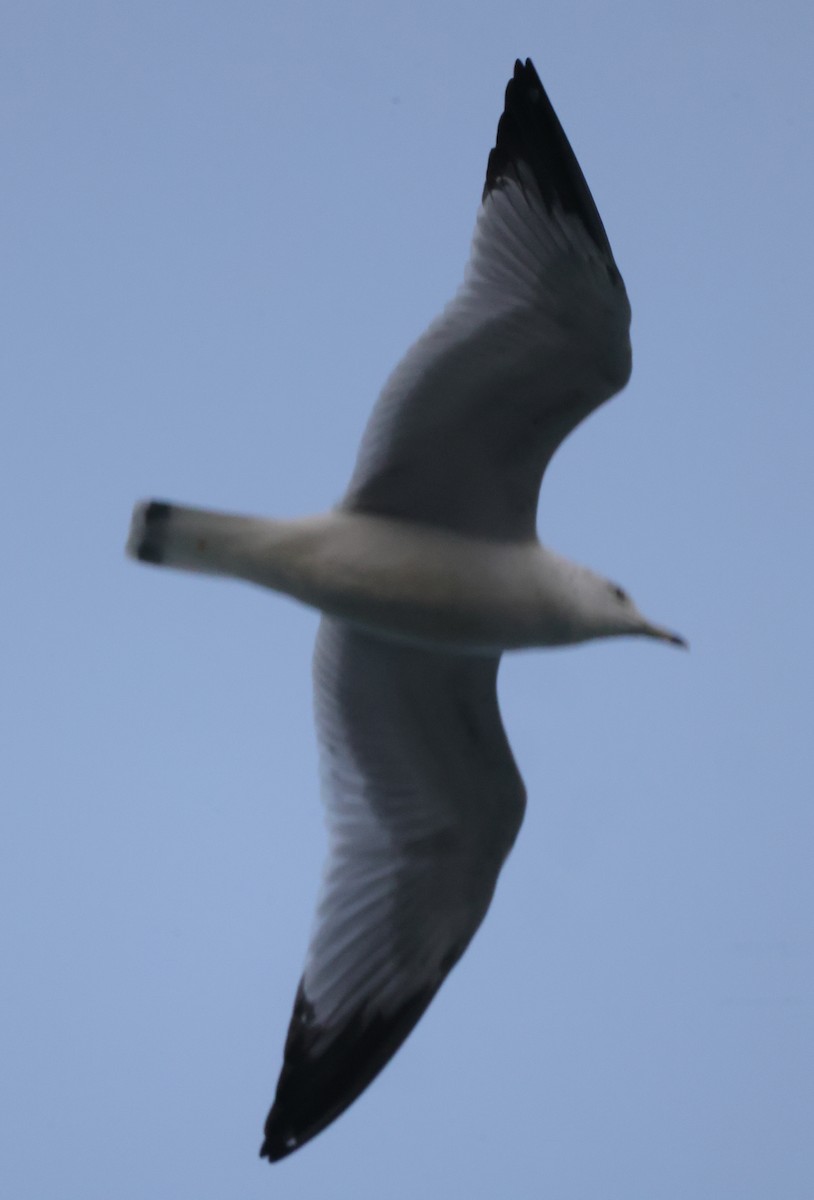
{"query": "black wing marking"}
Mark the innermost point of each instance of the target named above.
(529, 132)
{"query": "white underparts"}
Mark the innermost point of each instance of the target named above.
(404, 580)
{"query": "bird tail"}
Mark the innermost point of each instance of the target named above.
(192, 539)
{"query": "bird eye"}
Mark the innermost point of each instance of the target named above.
(619, 593)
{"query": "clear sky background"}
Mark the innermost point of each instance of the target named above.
(221, 226)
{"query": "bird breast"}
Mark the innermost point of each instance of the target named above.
(416, 583)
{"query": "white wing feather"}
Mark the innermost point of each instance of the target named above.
(424, 802)
(536, 339)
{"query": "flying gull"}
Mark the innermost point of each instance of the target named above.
(425, 573)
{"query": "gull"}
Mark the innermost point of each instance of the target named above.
(425, 573)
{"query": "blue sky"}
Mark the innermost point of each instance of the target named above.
(221, 226)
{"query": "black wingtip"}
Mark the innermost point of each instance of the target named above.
(530, 133)
(274, 1151)
(322, 1075)
(149, 535)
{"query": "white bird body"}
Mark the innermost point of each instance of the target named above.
(426, 572)
(406, 581)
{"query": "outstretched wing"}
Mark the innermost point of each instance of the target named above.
(536, 338)
(424, 802)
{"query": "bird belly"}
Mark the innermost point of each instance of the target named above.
(414, 583)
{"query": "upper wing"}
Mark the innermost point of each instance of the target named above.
(536, 338)
(424, 802)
